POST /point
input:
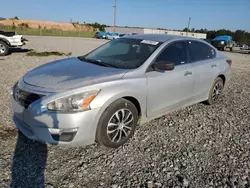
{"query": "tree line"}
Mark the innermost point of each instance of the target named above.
(100, 27)
(96, 25)
(240, 36)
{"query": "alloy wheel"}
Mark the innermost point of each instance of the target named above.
(2, 49)
(218, 87)
(120, 125)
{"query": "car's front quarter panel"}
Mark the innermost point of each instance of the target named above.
(126, 87)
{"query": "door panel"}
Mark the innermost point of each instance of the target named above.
(169, 89)
(205, 74)
(203, 59)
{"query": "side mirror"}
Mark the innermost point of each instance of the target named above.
(159, 66)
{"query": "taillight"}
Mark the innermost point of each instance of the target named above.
(229, 61)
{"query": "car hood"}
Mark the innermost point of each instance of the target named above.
(70, 73)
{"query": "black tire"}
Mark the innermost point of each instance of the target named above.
(4, 48)
(212, 99)
(108, 116)
(231, 49)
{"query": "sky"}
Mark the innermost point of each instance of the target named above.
(169, 14)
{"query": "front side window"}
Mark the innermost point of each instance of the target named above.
(174, 53)
(200, 51)
(124, 53)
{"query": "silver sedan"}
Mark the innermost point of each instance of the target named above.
(102, 96)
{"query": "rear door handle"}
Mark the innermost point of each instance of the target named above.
(213, 65)
(188, 73)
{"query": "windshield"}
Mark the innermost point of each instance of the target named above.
(123, 53)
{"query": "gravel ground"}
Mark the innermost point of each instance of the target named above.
(199, 146)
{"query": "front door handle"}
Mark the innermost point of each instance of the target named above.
(188, 73)
(213, 65)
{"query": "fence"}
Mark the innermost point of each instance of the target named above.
(47, 32)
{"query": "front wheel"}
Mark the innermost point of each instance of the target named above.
(4, 48)
(215, 91)
(117, 124)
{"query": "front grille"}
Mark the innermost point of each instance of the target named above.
(25, 98)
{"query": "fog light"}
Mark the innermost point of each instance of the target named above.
(65, 135)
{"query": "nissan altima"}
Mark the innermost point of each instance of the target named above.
(102, 96)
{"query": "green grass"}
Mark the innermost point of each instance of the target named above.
(48, 32)
(46, 53)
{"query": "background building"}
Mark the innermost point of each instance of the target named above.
(130, 30)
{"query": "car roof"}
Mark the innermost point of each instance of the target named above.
(157, 37)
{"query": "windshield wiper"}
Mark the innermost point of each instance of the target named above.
(98, 62)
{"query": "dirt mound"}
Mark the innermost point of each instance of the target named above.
(36, 24)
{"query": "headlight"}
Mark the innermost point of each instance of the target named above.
(222, 42)
(74, 103)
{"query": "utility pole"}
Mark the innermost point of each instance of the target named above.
(114, 15)
(189, 19)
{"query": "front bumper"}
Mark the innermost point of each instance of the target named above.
(47, 126)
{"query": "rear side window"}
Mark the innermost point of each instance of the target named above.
(175, 53)
(199, 51)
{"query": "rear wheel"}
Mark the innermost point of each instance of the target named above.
(215, 91)
(117, 124)
(4, 48)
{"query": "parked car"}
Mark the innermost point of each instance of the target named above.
(223, 42)
(243, 47)
(101, 35)
(112, 36)
(102, 96)
(109, 36)
(10, 40)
